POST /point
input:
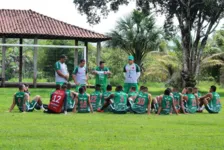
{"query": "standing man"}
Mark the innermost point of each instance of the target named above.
(131, 73)
(102, 73)
(61, 70)
(80, 75)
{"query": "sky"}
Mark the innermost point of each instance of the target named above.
(65, 10)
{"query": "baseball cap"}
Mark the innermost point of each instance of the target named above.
(130, 57)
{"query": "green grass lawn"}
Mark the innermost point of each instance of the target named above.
(106, 131)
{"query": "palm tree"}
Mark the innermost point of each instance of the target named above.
(137, 35)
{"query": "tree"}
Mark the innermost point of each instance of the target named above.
(196, 21)
(137, 35)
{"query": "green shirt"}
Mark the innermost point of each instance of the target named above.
(167, 102)
(177, 99)
(215, 101)
(132, 94)
(120, 101)
(141, 103)
(95, 99)
(70, 101)
(83, 106)
(104, 96)
(191, 104)
(101, 77)
(19, 99)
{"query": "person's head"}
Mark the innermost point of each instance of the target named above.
(130, 60)
(98, 87)
(167, 92)
(58, 87)
(175, 89)
(133, 89)
(190, 90)
(64, 86)
(63, 58)
(213, 88)
(21, 87)
(84, 87)
(69, 86)
(145, 89)
(102, 64)
(119, 88)
(26, 87)
(81, 90)
(142, 88)
(169, 89)
(109, 88)
(82, 63)
(195, 90)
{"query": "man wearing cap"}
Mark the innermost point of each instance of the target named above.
(131, 73)
(61, 70)
(101, 72)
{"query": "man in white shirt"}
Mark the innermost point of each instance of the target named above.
(131, 73)
(79, 75)
(61, 71)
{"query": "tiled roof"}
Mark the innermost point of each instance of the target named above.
(30, 24)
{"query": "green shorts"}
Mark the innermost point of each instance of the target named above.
(213, 110)
(127, 86)
(29, 106)
(191, 110)
(118, 111)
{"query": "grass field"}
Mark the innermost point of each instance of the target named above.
(107, 131)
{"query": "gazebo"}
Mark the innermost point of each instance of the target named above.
(28, 24)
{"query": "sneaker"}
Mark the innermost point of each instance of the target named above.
(99, 110)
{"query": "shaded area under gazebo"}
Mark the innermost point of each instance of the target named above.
(27, 24)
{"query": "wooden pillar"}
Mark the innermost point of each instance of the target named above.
(87, 57)
(98, 53)
(35, 64)
(20, 60)
(3, 61)
(76, 54)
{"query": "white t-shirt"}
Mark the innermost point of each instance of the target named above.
(131, 73)
(64, 70)
(80, 73)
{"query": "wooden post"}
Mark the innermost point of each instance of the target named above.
(35, 64)
(98, 53)
(20, 60)
(87, 58)
(76, 54)
(3, 61)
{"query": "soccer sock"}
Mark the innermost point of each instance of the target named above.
(202, 108)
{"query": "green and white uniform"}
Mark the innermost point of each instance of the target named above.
(214, 105)
(95, 99)
(70, 101)
(83, 106)
(133, 94)
(141, 103)
(80, 73)
(166, 104)
(177, 99)
(132, 73)
(102, 77)
(63, 68)
(191, 104)
(20, 98)
(120, 103)
(104, 96)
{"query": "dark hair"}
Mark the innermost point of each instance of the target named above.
(195, 88)
(167, 92)
(81, 90)
(169, 89)
(145, 89)
(119, 88)
(81, 61)
(69, 86)
(190, 89)
(133, 88)
(84, 88)
(26, 85)
(58, 87)
(102, 62)
(97, 87)
(109, 87)
(64, 86)
(142, 88)
(63, 56)
(213, 88)
(21, 86)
